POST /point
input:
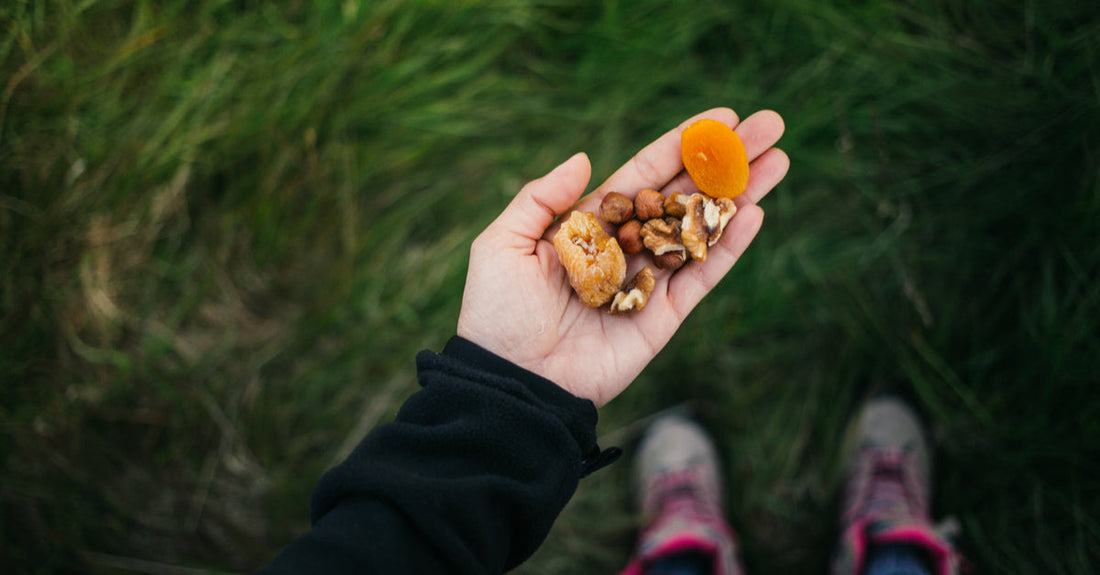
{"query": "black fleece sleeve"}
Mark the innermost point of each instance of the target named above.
(467, 479)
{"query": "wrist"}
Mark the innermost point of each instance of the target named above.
(577, 412)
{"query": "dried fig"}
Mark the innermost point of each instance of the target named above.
(593, 259)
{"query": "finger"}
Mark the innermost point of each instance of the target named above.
(659, 162)
(759, 132)
(540, 201)
(655, 165)
(766, 172)
(689, 284)
(661, 165)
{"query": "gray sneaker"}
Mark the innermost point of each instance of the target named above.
(680, 497)
(886, 498)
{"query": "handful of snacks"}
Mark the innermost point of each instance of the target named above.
(672, 228)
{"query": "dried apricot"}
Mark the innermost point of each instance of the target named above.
(715, 159)
(592, 258)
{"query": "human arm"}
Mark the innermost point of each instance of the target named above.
(467, 479)
(518, 302)
(480, 462)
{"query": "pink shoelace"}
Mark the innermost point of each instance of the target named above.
(885, 486)
(680, 491)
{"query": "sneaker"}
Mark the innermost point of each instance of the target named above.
(680, 494)
(886, 499)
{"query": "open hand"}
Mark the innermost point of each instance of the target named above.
(518, 302)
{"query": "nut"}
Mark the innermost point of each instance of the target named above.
(649, 204)
(676, 205)
(593, 259)
(703, 224)
(663, 236)
(671, 261)
(634, 294)
(616, 208)
(630, 237)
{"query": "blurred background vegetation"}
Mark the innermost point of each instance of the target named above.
(226, 226)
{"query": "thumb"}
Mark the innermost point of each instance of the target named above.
(540, 201)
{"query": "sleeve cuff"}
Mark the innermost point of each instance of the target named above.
(577, 414)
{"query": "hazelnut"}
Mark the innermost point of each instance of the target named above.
(649, 204)
(670, 261)
(630, 237)
(676, 205)
(616, 208)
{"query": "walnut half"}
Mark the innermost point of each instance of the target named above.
(634, 294)
(662, 236)
(704, 220)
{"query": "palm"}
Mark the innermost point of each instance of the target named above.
(519, 304)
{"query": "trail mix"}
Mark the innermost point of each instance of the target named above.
(672, 229)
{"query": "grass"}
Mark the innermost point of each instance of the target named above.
(226, 227)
